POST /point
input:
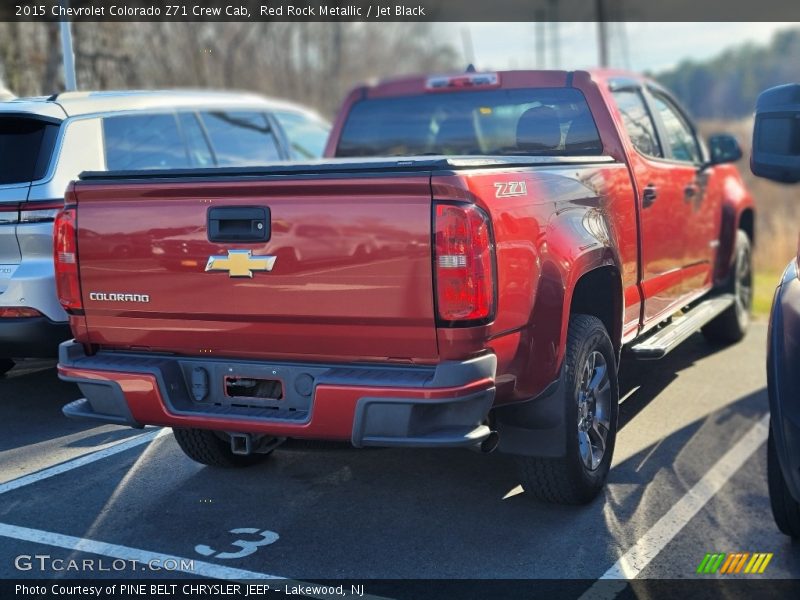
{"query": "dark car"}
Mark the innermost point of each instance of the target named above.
(776, 156)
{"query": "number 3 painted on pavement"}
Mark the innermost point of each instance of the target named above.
(247, 547)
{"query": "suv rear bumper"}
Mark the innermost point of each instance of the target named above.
(368, 405)
(31, 337)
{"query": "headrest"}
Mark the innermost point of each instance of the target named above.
(457, 135)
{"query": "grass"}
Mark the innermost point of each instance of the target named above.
(764, 285)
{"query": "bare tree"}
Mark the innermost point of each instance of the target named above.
(312, 63)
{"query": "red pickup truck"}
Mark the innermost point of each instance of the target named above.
(465, 270)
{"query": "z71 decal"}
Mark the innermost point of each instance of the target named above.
(505, 189)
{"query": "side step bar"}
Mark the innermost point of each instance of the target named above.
(666, 339)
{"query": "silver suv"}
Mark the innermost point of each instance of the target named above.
(47, 142)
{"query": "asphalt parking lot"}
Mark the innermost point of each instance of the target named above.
(689, 479)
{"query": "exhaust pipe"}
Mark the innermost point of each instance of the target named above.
(490, 443)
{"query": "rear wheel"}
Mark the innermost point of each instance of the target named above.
(213, 448)
(591, 395)
(731, 326)
(6, 364)
(785, 509)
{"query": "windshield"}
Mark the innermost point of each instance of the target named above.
(546, 121)
(25, 148)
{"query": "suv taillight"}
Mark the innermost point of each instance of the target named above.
(65, 251)
(463, 264)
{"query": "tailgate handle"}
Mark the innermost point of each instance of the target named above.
(239, 224)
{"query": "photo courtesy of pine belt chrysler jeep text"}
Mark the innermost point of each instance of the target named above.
(466, 270)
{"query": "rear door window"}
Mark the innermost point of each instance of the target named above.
(241, 138)
(149, 141)
(306, 136)
(638, 122)
(200, 154)
(26, 147)
(682, 142)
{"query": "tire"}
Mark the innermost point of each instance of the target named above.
(785, 509)
(213, 448)
(731, 326)
(579, 476)
(6, 364)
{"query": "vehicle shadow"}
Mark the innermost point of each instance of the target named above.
(641, 381)
(31, 398)
(389, 513)
(403, 513)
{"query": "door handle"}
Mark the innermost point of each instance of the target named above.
(649, 195)
(689, 192)
(239, 224)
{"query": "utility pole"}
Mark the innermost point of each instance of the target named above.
(67, 52)
(602, 33)
(466, 45)
(541, 59)
(555, 40)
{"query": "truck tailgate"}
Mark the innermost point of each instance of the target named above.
(351, 277)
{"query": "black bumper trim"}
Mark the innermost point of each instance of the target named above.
(411, 422)
(450, 422)
(104, 402)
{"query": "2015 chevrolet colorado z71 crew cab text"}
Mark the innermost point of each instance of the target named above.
(465, 271)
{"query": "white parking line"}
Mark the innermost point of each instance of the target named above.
(631, 564)
(143, 558)
(80, 461)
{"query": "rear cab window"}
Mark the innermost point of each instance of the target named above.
(513, 122)
(26, 148)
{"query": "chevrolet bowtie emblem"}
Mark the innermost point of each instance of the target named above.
(240, 263)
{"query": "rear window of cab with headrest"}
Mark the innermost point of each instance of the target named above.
(514, 122)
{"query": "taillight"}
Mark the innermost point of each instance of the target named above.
(18, 312)
(463, 263)
(465, 80)
(65, 251)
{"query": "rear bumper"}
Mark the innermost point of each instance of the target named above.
(32, 337)
(368, 405)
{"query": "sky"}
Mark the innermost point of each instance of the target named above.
(650, 46)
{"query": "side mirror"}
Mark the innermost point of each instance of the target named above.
(724, 149)
(776, 134)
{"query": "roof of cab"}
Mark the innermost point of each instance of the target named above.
(412, 84)
(69, 104)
